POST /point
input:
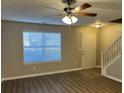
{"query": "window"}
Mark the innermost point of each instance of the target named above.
(41, 47)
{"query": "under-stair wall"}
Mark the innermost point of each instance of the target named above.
(115, 70)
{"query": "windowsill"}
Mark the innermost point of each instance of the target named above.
(48, 62)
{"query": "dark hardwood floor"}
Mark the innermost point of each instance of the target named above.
(84, 81)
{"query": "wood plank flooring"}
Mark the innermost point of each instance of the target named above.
(83, 81)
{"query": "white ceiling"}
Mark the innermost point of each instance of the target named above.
(34, 11)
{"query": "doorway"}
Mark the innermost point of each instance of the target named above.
(88, 49)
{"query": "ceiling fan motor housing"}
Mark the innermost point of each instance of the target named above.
(67, 10)
(69, 1)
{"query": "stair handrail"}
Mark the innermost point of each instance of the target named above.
(108, 45)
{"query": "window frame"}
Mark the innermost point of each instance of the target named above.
(40, 62)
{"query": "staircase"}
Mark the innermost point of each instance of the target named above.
(110, 55)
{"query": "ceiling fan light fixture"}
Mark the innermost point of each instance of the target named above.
(69, 20)
(98, 25)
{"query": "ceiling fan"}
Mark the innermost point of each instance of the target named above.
(71, 11)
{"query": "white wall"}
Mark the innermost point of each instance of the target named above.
(12, 56)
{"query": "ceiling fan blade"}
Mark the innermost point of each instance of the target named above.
(82, 7)
(45, 17)
(51, 16)
(85, 14)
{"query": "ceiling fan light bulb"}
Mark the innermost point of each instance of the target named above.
(74, 19)
(70, 20)
(67, 20)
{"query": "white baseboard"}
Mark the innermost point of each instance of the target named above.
(40, 74)
(92, 67)
(113, 78)
(88, 68)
